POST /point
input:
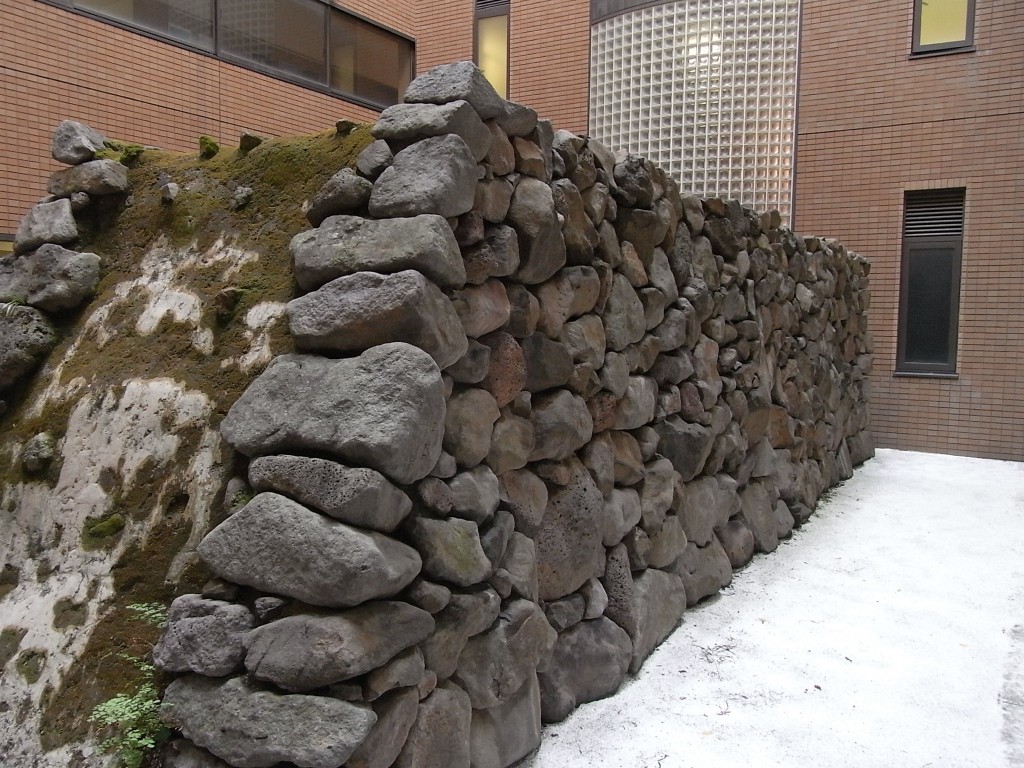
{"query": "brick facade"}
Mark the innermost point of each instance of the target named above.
(63, 65)
(898, 123)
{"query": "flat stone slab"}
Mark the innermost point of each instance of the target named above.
(356, 312)
(354, 495)
(301, 653)
(344, 245)
(250, 728)
(261, 545)
(384, 409)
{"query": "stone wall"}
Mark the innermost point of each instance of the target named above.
(543, 403)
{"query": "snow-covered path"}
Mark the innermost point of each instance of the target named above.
(887, 633)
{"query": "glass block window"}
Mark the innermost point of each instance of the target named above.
(707, 90)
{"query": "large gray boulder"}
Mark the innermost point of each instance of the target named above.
(354, 495)
(450, 549)
(636, 407)
(96, 177)
(569, 541)
(344, 245)
(301, 653)
(468, 424)
(46, 223)
(589, 662)
(686, 445)
(704, 570)
(356, 312)
(623, 315)
(541, 247)
(345, 191)
(497, 255)
(659, 600)
(384, 409)
(75, 142)
(548, 363)
(411, 122)
(561, 425)
(508, 732)
(26, 338)
(396, 712)
(341, 566)
(440, 736)
(465, 615)
(459, 81)
(252, 728)
(758, 512)
(707, 503)
(203, 636)
(495, 664)
(435, 175)
(51, 278)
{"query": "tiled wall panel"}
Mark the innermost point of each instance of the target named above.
(706, 89)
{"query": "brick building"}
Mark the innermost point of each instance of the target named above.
(910, 149)
(164, 72)
(908, 141)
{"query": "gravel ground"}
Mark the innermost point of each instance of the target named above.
(887, 633)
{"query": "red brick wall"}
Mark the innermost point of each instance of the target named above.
(874, 123)
(551, 59)
(59, 65)
(444, 32)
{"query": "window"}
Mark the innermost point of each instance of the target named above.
(190, 21)
(305, 41)
(286, 35)
(367, 61)
(491, 43)
(943, 25)
(933, 227)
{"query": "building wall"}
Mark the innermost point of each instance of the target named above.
(550, 61)
(549, 57)
(898, 124)
(62, 65)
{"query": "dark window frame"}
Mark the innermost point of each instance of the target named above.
(953, 46)
(269, 71)
(947, 368)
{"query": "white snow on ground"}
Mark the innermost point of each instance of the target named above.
(887, 633)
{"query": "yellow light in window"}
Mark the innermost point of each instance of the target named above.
(943, 21)
(492, 51)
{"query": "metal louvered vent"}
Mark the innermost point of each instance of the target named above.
(934, 213)
(488, 5)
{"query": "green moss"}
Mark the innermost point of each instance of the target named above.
(30, 665)
(10, 640)
(123, 152)
(208, 147)
(9, 578)
(67, 613)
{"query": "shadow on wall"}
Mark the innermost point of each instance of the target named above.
(542, 403)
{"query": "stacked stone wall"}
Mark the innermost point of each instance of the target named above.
(542, 403)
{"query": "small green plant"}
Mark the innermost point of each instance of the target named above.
(8, 308)
(135, 718)
(151, 613)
